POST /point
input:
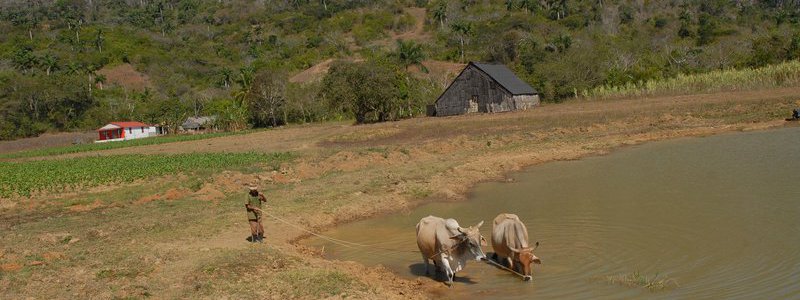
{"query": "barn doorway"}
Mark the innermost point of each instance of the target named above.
(473, 104)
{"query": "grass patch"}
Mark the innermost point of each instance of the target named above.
(318, 283)
(637, 279)
(122, 144)
(25, 178)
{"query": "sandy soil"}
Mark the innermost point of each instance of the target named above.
(344, 173)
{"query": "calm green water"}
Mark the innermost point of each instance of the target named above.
(719, 215)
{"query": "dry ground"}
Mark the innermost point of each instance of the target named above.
(47, 140)
(183, 236)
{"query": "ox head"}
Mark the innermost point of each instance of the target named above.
(473, 240)
(526, 257)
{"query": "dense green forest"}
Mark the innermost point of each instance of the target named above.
(62, 62)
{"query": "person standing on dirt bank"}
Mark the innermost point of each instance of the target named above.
(253, 205)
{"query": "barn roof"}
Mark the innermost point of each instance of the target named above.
(197, 122)
(505, 77)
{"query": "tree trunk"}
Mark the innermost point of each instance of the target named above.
(462, 48)
(272, 116)
(303, 112)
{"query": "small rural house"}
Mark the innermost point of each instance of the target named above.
(193, 124)
(484, 88)
(122, 131)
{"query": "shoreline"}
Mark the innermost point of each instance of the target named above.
(433, 286)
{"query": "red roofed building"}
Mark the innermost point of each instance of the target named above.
(122, 131)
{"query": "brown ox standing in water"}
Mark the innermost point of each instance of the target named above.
(449, 245)
(510, 243)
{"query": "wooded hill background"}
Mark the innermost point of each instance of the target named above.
(77, 64)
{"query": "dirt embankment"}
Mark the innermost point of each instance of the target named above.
(345, 173)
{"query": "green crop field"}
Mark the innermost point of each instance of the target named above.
(25, 178)
(122, 144)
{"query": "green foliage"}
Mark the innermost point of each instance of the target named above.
(368, 91)
(410, 53)
(24, 178)
(202, 56)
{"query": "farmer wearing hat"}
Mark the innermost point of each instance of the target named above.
(253, 205)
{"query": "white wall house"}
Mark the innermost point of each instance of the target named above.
(122, 131)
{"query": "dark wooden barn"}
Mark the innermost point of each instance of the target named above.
(485, 88)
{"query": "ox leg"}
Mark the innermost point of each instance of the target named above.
(425, 261)
(448, 272)
(510, 263)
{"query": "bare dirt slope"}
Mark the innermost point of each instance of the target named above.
(126, 76)
(47, 140)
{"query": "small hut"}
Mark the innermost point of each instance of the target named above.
(196, 124)
(485, 88)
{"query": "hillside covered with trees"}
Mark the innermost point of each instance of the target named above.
(76, 64)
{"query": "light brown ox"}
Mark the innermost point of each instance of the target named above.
(510, 243)
(449, 245)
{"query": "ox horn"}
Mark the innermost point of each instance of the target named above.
(460, 229)
(536, 245)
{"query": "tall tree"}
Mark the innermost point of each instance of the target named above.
(440, 13)
(463, 30)
(367, 90)
(50, 63)
(267, 98)
(410, 53)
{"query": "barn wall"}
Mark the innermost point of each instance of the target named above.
(473, 91)
(526, 101)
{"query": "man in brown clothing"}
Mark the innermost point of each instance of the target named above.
(253, 206)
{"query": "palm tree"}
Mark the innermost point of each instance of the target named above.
(225, 76)
(410, 53)
(99, 40)
(100, 79)
(463, 30)
(49, 62)
(440, 13)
